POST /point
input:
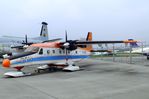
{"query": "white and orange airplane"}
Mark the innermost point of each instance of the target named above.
(54, 54)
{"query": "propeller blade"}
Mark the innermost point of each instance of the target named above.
(66, 45)
(66, 36)
(26, 39)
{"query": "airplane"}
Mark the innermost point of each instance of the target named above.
(102, 52)
(53, 55)
(143, 51)
(12, 45)
(139, 50)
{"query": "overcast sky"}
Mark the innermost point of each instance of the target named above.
(107, 19)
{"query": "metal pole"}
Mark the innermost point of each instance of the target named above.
(142, 46)
(130, 54)
(113, 53)
(101, 53)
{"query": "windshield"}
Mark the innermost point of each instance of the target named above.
(32, 49)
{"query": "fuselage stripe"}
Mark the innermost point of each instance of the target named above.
(46, 58)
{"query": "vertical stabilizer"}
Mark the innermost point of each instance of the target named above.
(133, 44)
(44, 31)
(89, 38)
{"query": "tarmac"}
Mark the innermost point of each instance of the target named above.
(98, 79)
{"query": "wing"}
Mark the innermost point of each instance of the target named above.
(74, 44)
(104, 42)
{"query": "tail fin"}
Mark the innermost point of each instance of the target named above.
(44, 32)
(133, 44)
(89, 38)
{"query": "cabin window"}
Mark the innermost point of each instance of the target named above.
(53, 51)
(60, 51)
(41, 51)
(76, 52)
(63, 51)
(48, 51)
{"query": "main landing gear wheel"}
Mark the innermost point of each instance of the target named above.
(71, 68)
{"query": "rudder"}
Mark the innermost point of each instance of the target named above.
(44, 31)
(89, 38)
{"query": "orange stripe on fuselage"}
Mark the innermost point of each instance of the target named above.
(47, 45)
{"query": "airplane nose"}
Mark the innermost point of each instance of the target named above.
(6, 63)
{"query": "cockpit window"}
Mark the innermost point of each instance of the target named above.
(41, 51)
(32, 49)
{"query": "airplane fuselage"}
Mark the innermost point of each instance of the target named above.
(50, 56)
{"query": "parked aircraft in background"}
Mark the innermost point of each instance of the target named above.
(53, 55)
(144, 51)
(139, 49)
(102, 52)
(7, 43)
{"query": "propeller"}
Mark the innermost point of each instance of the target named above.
(26, 41)
(69, 44)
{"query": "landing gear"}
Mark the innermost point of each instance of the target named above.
(19, 68)
(49, 68)
(17, 73)
(42, 68)
(71, 67)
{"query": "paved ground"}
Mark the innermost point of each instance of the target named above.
(98, 80)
